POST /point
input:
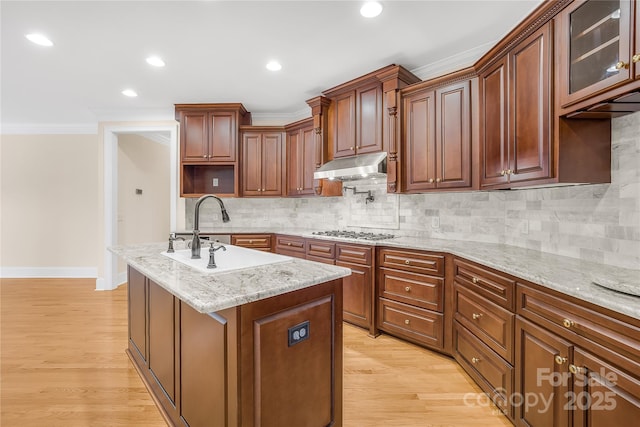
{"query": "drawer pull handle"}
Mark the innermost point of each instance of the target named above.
(474, 280)
(576, 370)
(408, 289)
(476, 316)
(406, 322)
(406, 261)
(567, 323)
(475, 360)
(560, 360)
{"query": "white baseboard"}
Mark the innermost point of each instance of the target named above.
(48, 272)
(120, 280)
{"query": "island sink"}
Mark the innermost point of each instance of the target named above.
(234, 258)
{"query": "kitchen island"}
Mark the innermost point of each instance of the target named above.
(245, 347)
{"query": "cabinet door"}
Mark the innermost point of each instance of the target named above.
(494, 139)
(420, 158)
(603, 395)
(162, 338)
(294, 172)
(222, 136)
(344, 134)
(356, 294)
(252, 164)
(529, 108)
(194, 137)
(542, 382)
(594, 38)
(137, 290)
(272, 164)
(453, 136)
(308, 160)
(369, 119)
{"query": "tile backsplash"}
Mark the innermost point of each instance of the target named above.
(598, 223)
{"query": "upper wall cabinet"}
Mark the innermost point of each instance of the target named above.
(516, 114)
(262, 161)
(301, 152)
(598, 56)
(437, 135)
(209, 148)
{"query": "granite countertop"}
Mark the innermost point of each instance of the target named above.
(211, 292)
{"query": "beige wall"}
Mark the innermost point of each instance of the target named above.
(48, 201)
(142, 164)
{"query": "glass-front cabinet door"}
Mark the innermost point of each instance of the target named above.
(594, 47)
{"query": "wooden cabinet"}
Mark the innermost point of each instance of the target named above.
(162, 345)
(261, 242)
(301, 161)
(290, 245)
(137, 295)
(355, 117)
(595, 40)
(411, 295)
(321, 251)
(209, 147)
(357, 289)
(483, 330)
(262, 161)
(516, 114)
(437, 135)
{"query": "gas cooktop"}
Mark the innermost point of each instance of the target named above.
(354, 235)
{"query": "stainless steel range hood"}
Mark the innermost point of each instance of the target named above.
(352, 168)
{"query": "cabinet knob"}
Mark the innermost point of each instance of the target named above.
(406, 261)
(576, 369)
(288, 243)
(250, 241)
(475, 360)
(620, 65)
(351, 148)
(407, 288)
(560, 360)
(636, 57)
(476, 316)
(406, 322)
(508, 171)
(204, 156)
(503, 172)
(430, 180)
(474, 280)
(568, 323)
(438, 180)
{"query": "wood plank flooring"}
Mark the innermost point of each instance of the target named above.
(63, 364)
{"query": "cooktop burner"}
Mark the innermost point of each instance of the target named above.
(354, 235)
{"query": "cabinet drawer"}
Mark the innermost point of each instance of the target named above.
(415, 324)
(495, 286)
(488, 321)
(569, 319)
(354, 253)
(290, 244)
(321, 249)
(411, 288)
(419, 262)
(490, 371)
(252, 240)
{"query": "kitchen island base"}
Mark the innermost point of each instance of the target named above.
(272, 362)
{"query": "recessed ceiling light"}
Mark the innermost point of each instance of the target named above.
(156, 61)
(130, 93)
(274, 66)
(39, 39)
(371, 9)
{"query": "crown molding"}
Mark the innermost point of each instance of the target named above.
(453, 63)
(49, 128)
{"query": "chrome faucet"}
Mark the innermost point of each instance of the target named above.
(195, 243)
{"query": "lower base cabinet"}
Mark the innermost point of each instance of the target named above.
(236, 367)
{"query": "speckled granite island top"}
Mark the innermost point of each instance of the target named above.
(211, 292)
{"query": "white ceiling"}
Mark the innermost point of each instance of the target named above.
(216, 51)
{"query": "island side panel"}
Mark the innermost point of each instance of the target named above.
(297, 383)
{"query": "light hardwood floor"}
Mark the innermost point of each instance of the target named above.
(63, 364)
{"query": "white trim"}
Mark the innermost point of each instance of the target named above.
(279, 119)
(49, 129)
(110, 202)
(452, 63)
(49, 272)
